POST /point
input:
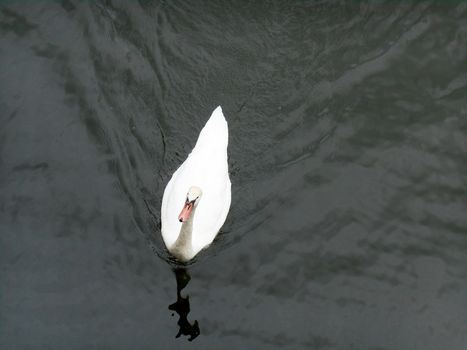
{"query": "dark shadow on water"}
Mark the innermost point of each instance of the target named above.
(182, 307)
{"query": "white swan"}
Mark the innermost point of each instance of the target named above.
(197, 198)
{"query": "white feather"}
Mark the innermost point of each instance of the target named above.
(207, 168)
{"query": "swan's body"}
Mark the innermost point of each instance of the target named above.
(198, 193)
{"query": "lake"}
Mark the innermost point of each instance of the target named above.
(347, 156)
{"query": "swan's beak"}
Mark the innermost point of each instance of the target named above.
(185, 213)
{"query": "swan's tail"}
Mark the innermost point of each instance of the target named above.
(215, 132)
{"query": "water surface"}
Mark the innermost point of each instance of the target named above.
(348, 143)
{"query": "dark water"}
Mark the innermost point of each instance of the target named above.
(348, 158)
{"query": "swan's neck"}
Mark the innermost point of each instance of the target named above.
(182, 249)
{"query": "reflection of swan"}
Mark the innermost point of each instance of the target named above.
(182, 307)
(200, 188)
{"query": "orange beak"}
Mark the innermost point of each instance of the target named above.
(185, 213)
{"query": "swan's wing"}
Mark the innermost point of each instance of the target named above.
(213, 207)
(173, 200)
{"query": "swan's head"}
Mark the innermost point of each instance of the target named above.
(192, 198)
